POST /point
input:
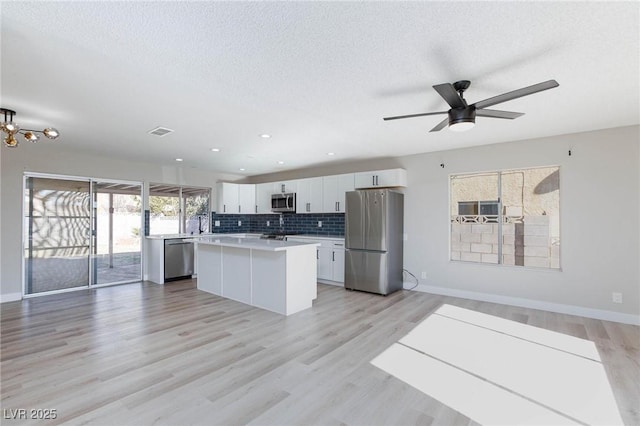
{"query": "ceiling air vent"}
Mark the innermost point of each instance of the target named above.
(160, 131)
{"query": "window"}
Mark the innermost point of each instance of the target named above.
(510, 217)
(485, 208)
(178, 209)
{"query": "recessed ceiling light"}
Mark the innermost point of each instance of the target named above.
(280, 162)
(241, 169)
(264, 135)
(179, 159)
(331, 153)
(215, 149)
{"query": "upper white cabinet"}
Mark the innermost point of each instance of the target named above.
(228, 197)
(286, 186)
(247, 198)
(333, 192)
(309, 195)
(313, 195)
(264, 191)
(381, 179)
(235, 198)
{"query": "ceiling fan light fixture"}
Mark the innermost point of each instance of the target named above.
(461, 126)
(462, 116)
(462, 119)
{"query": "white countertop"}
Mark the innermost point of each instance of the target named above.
(197, 236)
(239, 235)
(250, 243)
(317, 237)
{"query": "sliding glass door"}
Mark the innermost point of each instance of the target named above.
(116, 233)
(80, 233)
(58, 234)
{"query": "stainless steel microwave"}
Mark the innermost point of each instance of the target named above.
(283, 203)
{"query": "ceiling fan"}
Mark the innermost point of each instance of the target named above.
(462, 116)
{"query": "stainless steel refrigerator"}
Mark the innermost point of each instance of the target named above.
(373, 240)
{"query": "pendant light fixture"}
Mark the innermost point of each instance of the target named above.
(10, 129)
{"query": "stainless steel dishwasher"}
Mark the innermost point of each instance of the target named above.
(178, 259)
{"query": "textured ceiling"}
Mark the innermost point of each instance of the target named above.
(317, 76)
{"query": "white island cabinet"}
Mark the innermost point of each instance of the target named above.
(278, 276)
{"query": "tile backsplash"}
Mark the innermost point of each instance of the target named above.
(332, 223)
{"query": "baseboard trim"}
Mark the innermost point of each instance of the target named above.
(10, 297)
(336, 283)
(528, 303)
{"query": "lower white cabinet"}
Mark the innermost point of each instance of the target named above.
(330, 256)
(331, 263)
(325, 265)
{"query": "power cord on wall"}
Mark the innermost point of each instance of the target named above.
(414, 277)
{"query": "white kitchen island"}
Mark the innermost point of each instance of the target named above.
(279, 276)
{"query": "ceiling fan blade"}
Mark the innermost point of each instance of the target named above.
(444, 123)
(494, 113)
(517, 94)
(397, 117)
(448, 92)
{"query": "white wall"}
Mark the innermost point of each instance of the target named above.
(599, 214)
(52, 157)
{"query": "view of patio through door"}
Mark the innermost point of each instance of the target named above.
(80, 232)
(116, 235)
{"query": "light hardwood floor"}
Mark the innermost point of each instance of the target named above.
(146, 354)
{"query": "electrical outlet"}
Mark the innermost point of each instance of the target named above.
(268, 223)
(216, 223)
(319, 224)
(616, 297)
(405, 237)
(239, 223)
(423, 275)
